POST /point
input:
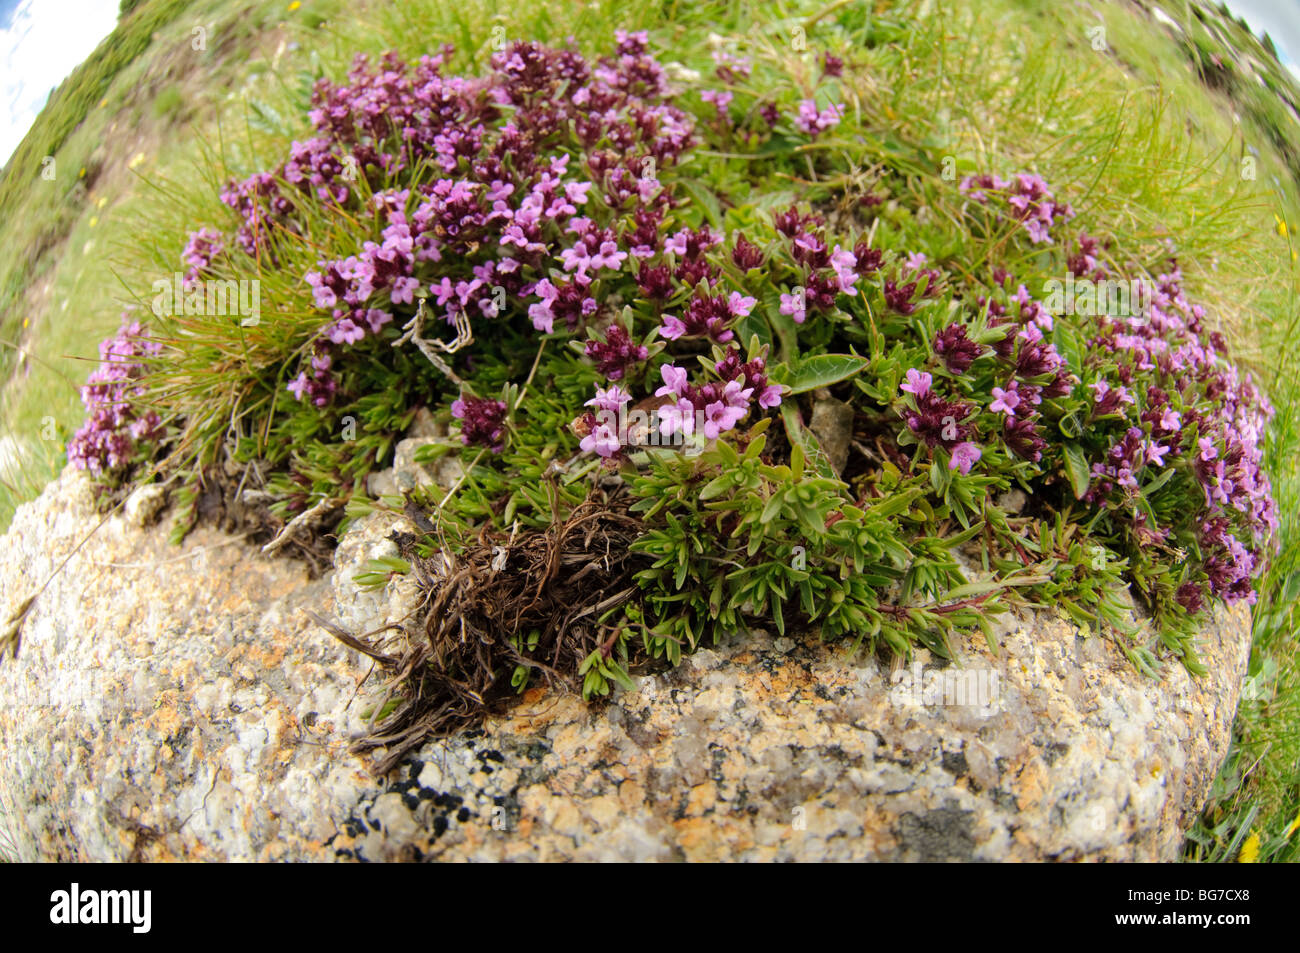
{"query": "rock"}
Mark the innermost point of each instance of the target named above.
(832, 424)
(424, 424)
(405, 474)
(1012, 502)
(144, 504)
(178, 704)
(361, 610)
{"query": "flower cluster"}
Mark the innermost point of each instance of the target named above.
(114, 427)
(318, 385)
(1154, 393)
(516, 157)
(545, 198)
(939, 422)
(688, 267)
(200, 251)
(540, 189)
(1028, 197)
(825, 272)
(723, 402)
(616, 353)
(709, 409)
(814, 122)
(1178, 403)
(481, 421)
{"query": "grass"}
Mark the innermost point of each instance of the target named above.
(1130, 134)
(132, 112)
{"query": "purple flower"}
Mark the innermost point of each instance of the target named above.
(719, 98)
(794, 305)
(1005, 401)
(957, 350)
(814, 123)
(609, 256)
(677, 418)
(603, 440)
(115, 426)
(616, 353)
(672, 328)
(481, 421)
(918, 382)
(740, 305)
(344, 331)
(403, 291)
(203, 246)
(610, 398)
(298, 386)
(746, 255)
(675, 381)
(964, 456)
(770, 396)
(843, 262)
(722, 415)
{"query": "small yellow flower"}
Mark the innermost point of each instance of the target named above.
(103, 200)
(103, 102)
(94, 220)
(1249, 851)
(294, 6)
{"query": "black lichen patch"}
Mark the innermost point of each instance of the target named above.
(1054, 752)
(943, 834)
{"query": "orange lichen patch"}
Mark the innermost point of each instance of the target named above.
(701, 799)
(167, 718)
(269, 657)
(1032, 783)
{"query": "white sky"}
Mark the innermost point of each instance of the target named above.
(41, 42)
(1280, 19)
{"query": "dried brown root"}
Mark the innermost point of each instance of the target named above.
(531, 599)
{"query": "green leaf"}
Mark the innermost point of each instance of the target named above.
(1159, 481)
(823, 370)
(717, 486)
(1076, 468)
(707, 200)
(971, 589)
